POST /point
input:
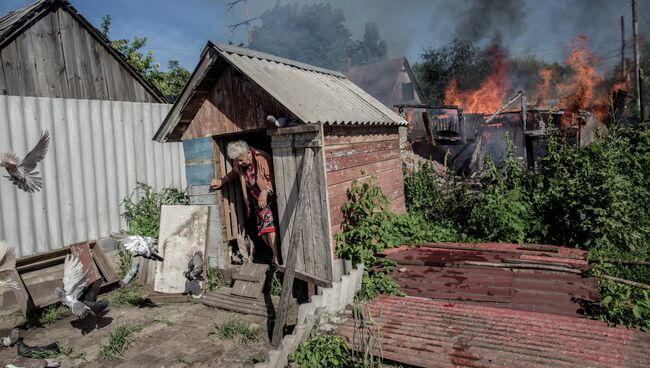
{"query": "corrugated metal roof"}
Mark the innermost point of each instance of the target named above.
(99, 150)
(314, 95)
(431, 333)
(441, 271)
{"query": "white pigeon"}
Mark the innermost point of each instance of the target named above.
(21, 173)
(75, 281)
(7, 263)
(139, 246)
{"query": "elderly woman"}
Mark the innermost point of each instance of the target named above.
(255, 173)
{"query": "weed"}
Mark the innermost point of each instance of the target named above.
(124, 262)
(129, 296)
(68, 352)
(235, 326)
(52, 314)
(45, 317)
(212, 279)
(163, 320)
(64, 351)
(322, 351)
(276, 285)
(118, 340)
(142, 208)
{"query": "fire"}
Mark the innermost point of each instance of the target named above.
(544, 87)
(578, 92)
(491, 93)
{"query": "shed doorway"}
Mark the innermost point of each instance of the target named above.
(239, 230)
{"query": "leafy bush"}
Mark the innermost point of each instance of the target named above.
(322, 351)
(595, 197)
(369, 228)
(142, 208)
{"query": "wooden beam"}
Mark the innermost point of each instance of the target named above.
(104, 266)
(23, 297)
(292, 256)
(309, 278)
(305, 128)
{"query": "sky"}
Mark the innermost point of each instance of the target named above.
(178, 29)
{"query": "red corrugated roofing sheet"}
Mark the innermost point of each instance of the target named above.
(441, 271)
(433, 333)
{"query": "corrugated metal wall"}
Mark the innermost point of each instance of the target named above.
(99, 149)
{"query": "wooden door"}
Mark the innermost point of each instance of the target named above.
(314, 261)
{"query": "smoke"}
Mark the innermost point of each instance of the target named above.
(523, 27)
(491, 19)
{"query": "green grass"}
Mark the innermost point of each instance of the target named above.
(276, 285)
(235, 326)
(163, 320)
(53, 314)
(64, 351)
(130, 296)
(118, 340)
(212, 279)
(46, 317)
(124, 262)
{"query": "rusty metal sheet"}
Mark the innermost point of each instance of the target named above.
(82, 252)
(438, 271)
(431, 333)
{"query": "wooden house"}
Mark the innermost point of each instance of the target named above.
(48, 49)
(349, 134)
(392, 82)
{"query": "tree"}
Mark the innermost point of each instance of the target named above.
(170, 83)
(369, 50)
(312, 34)
(459, 60)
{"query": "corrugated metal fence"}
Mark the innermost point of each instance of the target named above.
(98, 151)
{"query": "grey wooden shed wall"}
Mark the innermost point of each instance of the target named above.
(58, 56)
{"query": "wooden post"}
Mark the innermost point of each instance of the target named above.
(641, 103)
(623, 72)
(292, 253)
(635, 44)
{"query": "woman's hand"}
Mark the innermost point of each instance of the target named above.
(262, 201)
(216, 183)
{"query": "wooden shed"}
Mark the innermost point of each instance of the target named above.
(48, 49)
(349, 134)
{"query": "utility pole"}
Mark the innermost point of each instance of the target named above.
(623, 71)
(249, 30)
(635, 43)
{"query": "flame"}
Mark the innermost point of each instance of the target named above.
(544, 87)
(578, 92)
(490, 94)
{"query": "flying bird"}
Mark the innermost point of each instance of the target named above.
(139, 246)
(195, 267)
(75, 281)
(21, 173)
(7, 263)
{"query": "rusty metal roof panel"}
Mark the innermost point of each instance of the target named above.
(431, 333)
(445, 271)
(314, 95)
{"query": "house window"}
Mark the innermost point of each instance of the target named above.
(407, 91)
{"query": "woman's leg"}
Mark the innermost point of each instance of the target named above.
(272, 242)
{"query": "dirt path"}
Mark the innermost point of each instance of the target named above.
(173, 335)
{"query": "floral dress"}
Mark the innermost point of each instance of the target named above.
(264, 216)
